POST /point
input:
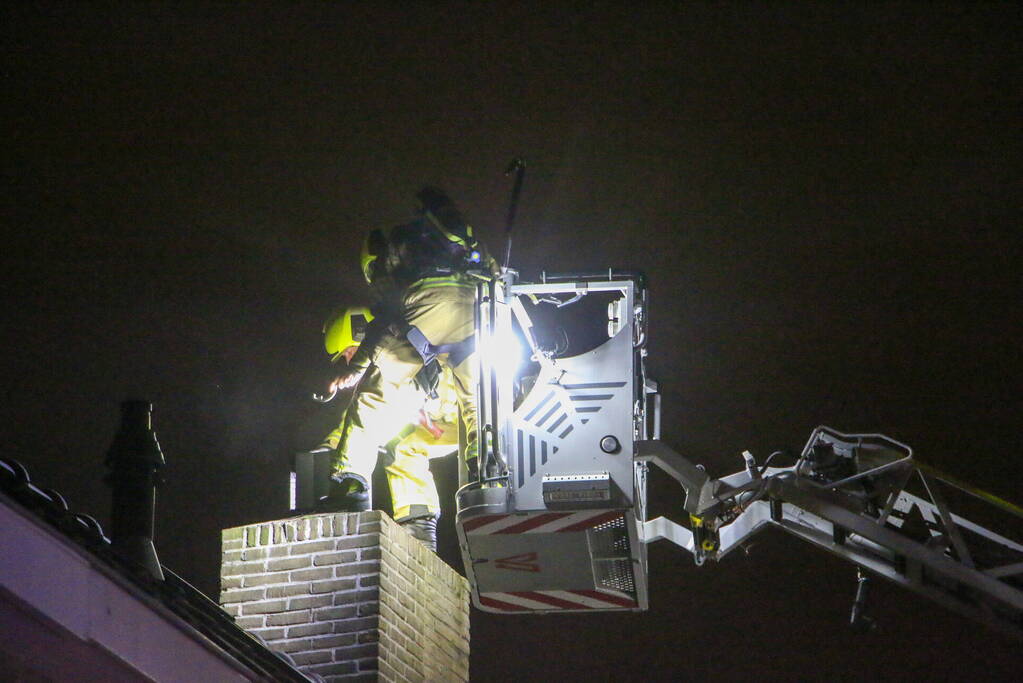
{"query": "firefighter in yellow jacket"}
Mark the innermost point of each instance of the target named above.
(426, 268)
(422, 425)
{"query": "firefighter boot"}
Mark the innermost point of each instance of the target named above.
(423, 529)
(350, 492)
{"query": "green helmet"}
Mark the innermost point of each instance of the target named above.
(346, 329)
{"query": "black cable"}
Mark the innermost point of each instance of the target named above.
(763, 468)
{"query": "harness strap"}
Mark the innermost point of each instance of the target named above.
(457, 351)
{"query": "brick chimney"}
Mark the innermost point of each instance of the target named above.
(351, 597)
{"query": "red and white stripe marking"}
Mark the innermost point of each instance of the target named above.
(532, 601)
(544, 523)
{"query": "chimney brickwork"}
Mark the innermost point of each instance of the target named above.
(351, 597)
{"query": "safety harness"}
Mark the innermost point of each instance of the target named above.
(457, 351)
(428, 376)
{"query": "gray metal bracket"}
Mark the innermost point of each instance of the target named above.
(698, 485)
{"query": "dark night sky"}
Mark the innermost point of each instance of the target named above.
(825, 198)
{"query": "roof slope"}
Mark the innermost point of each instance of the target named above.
(72, 608)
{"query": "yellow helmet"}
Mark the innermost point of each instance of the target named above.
(373, 247)
(345, 329)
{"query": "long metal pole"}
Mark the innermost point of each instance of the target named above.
(518, 167)
(495, 425)
(482, 454)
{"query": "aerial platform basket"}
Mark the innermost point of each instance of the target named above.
(557, 521)
(555, 528)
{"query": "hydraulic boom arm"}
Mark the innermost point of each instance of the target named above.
(850, 494)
